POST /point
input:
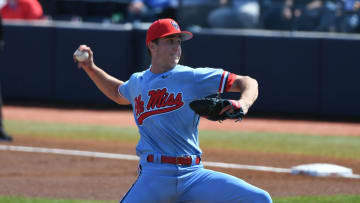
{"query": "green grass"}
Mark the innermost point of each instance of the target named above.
(78, 131)
(326, 146)
(315, 145)
(307, 199)
(7, 199)
(320, 199)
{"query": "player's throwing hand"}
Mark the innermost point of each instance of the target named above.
(84, 57)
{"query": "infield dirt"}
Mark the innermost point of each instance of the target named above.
(60, 176)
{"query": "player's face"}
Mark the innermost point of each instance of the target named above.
(168, 50)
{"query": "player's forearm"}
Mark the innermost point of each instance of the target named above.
(248, 88)
(250, 93)
(106, 83)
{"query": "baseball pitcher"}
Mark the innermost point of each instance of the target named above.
(168, 100)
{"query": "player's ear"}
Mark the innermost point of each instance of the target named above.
(152, 45)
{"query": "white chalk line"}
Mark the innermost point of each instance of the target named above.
(136, 158)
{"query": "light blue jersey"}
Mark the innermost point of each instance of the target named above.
(169, 131)
(160, 102)
(170, 166)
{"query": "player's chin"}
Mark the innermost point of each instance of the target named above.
(174, 61)
(177, 61)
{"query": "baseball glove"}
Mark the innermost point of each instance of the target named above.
(211, 107)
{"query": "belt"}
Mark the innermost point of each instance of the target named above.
(179, 160)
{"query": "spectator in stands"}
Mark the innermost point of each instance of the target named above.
(306, 15)
(150, 10)
(22, 9)
(193, 13)
(235, 14)
(317, 15)
(277, 14)
(349, 16)
(3, 135)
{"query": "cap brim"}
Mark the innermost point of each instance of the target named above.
(185, 35)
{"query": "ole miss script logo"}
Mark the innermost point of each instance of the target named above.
(160, 101)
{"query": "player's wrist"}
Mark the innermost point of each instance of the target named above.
(241, 103)
(89, 67)
(235, 103)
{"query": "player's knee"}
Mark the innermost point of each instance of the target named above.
(262, 197)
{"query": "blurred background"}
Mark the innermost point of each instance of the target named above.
(302, 52)
(302, 15)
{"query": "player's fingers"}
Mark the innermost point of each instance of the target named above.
(226, 108)
(87, 49)
(91, 53)
(83, 47)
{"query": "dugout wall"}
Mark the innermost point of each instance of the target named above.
(298, 73)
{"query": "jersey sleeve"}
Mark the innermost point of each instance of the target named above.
(123, 90)
(211, 81)
(229, 82)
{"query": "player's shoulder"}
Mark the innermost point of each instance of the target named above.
(137, 75)
(181, 69)
(207, 70)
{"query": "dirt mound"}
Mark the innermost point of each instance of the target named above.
(60, 176)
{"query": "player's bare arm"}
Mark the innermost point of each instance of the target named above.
(105, 82)
(249, 92)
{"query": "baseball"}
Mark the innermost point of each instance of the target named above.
(81, 55)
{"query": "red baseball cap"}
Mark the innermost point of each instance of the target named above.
(165, 27)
